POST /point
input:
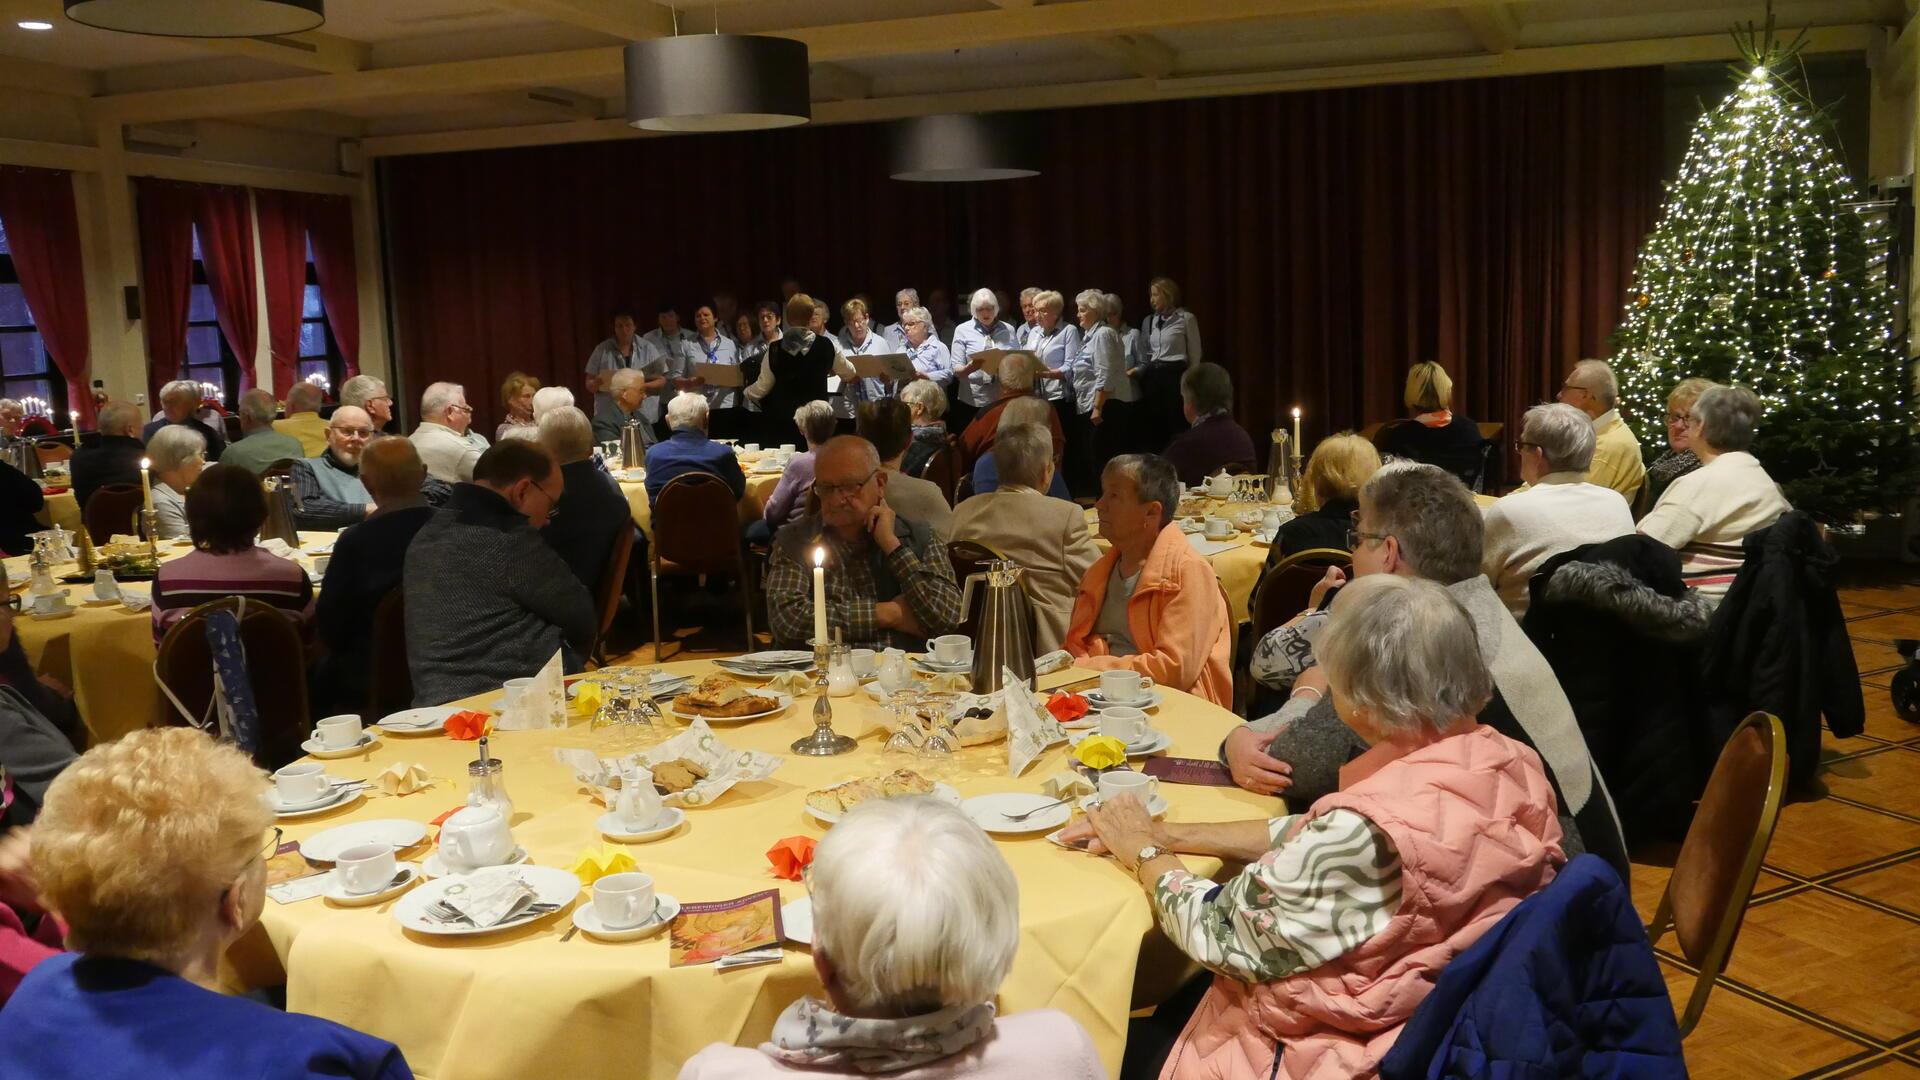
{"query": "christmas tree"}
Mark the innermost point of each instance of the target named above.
(1758, 274)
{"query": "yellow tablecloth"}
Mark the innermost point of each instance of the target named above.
(103, 651)
(759, 488)
(522, 1003)
(61, 509)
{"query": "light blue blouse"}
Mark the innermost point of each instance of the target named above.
(722, 351)
(1170, 339)
(979, 389)
(1056, 351)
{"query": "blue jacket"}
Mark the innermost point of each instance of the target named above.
(689, 450)
(1566, 985)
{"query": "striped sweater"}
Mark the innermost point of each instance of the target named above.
(257, 574)
(1707, 515)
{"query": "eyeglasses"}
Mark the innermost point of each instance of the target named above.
(273, 844)
(828, 491)
(1525, 445)
(460, 408)
(1354, 535)
(354, 432)
(1576, 386)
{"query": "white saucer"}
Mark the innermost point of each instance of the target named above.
(282, 806)
(427, 721)
(1156, 806)
(433, 866)
(1154, 742)
(990, 812)
(338, 893)
(1100, 701)
(937, 667)
(317, 749)
(796, 920)
(586, 918)
(610, 827)
(338, 798)
(49, 616)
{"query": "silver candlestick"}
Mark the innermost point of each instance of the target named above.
(823, 741)
(150, 521)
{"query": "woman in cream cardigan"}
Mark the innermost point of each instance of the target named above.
(1707, 514)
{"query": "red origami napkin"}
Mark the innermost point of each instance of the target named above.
(469, 725)
(791, 856)
(1066, 707)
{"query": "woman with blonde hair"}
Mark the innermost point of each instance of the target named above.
(1330, 490)
(1436, 434)
(154, 850)
(517, 394)
(1678, 459)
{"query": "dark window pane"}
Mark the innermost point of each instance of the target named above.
(313, 339)
(13, 306)
(21, 354)
(209, 374)
(313, 309)
(4, 248)
(309, 368)
(203, 345)
(200, 304)
(35, 394)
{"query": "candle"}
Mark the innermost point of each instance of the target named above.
(1296, 429)
(146, 482)
(820, 595)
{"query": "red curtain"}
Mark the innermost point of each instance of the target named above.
(225, 220)
(43, 232)
(330, 227)
(283, 253)
(166, 275)
(1325, 240)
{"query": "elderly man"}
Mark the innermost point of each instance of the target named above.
(303, 419)
(1017, 373)
(1151, 604)
(487, 599)
(889, 583)
(445, 438)
(976, 387)
(178, 454)
(179, 403)
(621, 406)
(260, 444)
(626, 350)
(366, 565)
(1420, 521)
(328, 491)
(689, 450)
(369, 393)
(888, 425)
(1617, 461)
(1047, 536)
(1213, 439)
(592, 510)
(115, 458)
(1557, 511)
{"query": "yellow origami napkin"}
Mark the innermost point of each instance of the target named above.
(796, 683)
(401, 778)
(954, 681)
(587, 697)
(591, 866)
(1101, 752)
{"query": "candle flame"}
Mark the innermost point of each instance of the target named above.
(819, 556)
(146, 463)
(1296, 412)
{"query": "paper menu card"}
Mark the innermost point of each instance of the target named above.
(727, 375)
(989, 360)
(895, 366)
(705, 932)
(1030, 730)
(290, 877)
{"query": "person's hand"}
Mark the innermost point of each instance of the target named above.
(1250, 765)
(1332, 579)
(1133, 373)
(880, 523)
(1080, 834)
(1124, 827)
(17, 888)
(1096, 418)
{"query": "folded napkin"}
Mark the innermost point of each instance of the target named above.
(401, 778)
(1100, 752)
(277, 546)
(488, 899)
(468, 725)
(1031, 729)
(791, 857)
(542, 703)
(1066, 707)
(133, 601)
(952, 682)
(587, 697)
(1054, 661)
(590, 865)
(796, 683)
(1064, 785)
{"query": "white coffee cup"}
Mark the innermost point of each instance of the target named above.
(753, 448)
(1129, 725)
(367, 868)
(1219, 528)
(1122, 687)
(320, 565)
(511, 692)
(623, 900)
(338, 732)
(865, 663)
(52, 603)
(1126, 782)
(787, 448)
(951, 648)
(302, 782)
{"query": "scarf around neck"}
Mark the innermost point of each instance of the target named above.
(811, 1034)
(796, 341)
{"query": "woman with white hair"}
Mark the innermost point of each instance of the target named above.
(1104, 393)
(154, 849)
(1707, 514)
(1019, 375)
(916, 917)
(788, 502)
(1056, 341)
(1129, 335)
(975, 387)
(1557, 511)
(922, 345)
(926, 404)
(1345, 915)
(176, 454)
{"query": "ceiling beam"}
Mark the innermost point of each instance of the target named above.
(628, 20)
(1146, 56)
(1522, 61)
(836, 82)
(563, 105)
(1496, 25)
(42, 78)
(311, 51)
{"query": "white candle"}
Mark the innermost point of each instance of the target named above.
(820, 594)
(146, 482)
(1296, 429)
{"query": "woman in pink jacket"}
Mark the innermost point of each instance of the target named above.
(1340, 924)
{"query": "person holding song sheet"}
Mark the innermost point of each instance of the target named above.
(1104, 395)
(1055, 340)
(858, 339)
(625, 349)
(712, 348)
(930, 358)
(978, 380)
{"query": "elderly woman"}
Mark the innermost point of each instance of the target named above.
(1678, 459)
(1706, 514)
(858, 337)
(1331, 487)
(1019, 374)
(977, 387)
(1213, 439)
(516, 393)
(1056, 341)
(1169, 345)
(1344, 916)
(711, 345)
(1436, 434)
(788, 502)
(139, 996)
(180, 406)
(1103, 389)
(1557, 511)
(931, 359)
(926, 404)
(225, 510)
(176, 454)
(1018, 413)
(1129, 335)
(916, 920)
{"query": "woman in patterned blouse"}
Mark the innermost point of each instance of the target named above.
(1678, 459)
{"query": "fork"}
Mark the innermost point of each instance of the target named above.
(1037, 809)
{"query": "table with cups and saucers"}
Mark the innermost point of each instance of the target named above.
(103, 650)
(523, 1002)
(763, 469)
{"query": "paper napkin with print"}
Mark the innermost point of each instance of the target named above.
(1030, 728)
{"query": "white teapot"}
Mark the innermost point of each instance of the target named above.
(476, 836)
(1220, 486)
(638, 805)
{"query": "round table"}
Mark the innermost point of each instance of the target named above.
(760, 487)
(522, 1003)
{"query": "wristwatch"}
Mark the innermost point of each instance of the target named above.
(1147, 855)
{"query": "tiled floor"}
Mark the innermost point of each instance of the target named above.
(1825, 977)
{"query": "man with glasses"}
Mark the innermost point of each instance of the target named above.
(445, 438)
(487, 599)
(888, 580)
(328, 492)
(369, 393)
(1617, 461)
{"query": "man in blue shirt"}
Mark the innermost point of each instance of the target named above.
(689, 450)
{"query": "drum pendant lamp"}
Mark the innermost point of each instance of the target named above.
(965, 146)
(717, 82)
(200, 18)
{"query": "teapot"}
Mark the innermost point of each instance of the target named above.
(475, 836)
(638, 806)
(1220, 486)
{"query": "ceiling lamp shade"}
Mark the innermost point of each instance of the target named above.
(200, 18)
(717, 82)
(960, 147)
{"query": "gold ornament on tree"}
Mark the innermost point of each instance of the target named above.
(1721, 303)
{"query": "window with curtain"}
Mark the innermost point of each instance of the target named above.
(209, 361)
(319, 353)
(26, 370)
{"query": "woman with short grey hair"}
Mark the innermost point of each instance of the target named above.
(926, 404)
(1708, 514)
(931, 360)
(1104, 394)
(1313, 947)
(176, 454)
(975, 388)
(1557, 510)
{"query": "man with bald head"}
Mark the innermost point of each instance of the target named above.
(366, 565)
(328, 492)
(115, 458)
(888, 579)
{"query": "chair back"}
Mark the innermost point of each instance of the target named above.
(52, 450)
(230, 427)
(964, 490)
(276, 664)
(389, 679)
(946, 468)
(1284, 591)
(109, 510)
(612, 585)
(1720, 858)
(282, 468)
(696, 525)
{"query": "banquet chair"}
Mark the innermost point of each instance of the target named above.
(389, 679)
(109, 510)
(612, 585)
(282, 468)
(1720, 858)
(696, 531)
(276, 664)
(48, 450)
(230, 427)
(1282, 593)
(946, 468)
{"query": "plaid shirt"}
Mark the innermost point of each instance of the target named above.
(857, 577)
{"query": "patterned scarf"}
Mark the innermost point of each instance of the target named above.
(810, 1034)
(796, 341)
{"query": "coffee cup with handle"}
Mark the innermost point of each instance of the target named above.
(1126, 687)
(1127, 724)
(301, 782)
(1120, 782)
(866, 663)
(1219, 528)
(624, 900)
(951, 648)
(365, 868)
(337, 732)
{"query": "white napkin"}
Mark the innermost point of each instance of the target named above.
(1062, 785)
(277, 546)
(1052, 662)
(1030, 730)
(488, 899)
(134, 601)
(542, 703)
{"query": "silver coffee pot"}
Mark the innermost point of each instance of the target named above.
(633, 445)
(1003, 640)
(279, 524)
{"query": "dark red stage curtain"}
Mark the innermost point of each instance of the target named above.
(330, 227)
(165, 210)
(1325, 240)
(43, 232)
(283, 253)
(224, 217)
